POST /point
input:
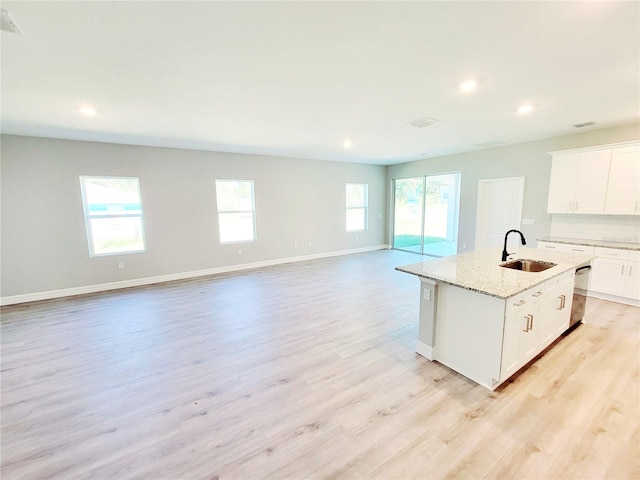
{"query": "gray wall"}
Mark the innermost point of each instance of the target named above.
(43, 239)
(530, 160)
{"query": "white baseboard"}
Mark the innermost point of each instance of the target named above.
(614, 298)
(425, 350)
(137, 282)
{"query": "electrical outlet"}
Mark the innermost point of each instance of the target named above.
(295, 245)
(464, 246)
(356, 237)
(309, 243)
(120, 265)
(239, 251)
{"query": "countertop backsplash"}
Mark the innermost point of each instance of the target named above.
(610, 228)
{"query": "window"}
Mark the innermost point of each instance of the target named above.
(236, 211)
(113, 214)
(356, 207)
(426, 212)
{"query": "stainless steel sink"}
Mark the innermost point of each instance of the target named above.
(527, 265)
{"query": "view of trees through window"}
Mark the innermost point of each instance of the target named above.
(426, 214)
(236, 210)
(357, 198)
(113, 214)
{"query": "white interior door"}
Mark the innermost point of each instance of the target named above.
(499, 210)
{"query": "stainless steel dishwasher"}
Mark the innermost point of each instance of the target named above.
(580, 295)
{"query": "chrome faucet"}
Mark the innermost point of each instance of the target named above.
(504, 250)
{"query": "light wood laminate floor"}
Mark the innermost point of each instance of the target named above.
(304, 370)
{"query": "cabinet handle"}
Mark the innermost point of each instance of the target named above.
(520, 303)
(526, 323)
(635, 209)
(622, 271)
(562, 302)
(630, 267)
(537, 294)
(571, 206)
(531, 322)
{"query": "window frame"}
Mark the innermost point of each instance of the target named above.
(252, 212)
(364, 207)
(88, 216)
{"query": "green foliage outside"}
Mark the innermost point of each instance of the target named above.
(400, 241)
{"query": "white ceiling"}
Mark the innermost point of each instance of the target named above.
(298, 78)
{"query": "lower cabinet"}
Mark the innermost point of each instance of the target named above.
(488, 339)
(543, 316)
(616, 272)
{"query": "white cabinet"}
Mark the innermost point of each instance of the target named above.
(623, 187)
(615, 272)
(533, 321)
(578, 182)
(598, 180)
(582, 281)
(632, 282)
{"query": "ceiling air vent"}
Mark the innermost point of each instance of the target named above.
(586, 124)
(424, 122)
(8, 24)
(490, 144)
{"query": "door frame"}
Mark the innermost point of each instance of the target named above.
(483, 184)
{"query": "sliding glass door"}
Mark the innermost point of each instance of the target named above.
(426, 214)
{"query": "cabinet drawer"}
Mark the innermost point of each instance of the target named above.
(580, 249)
(525, 299)
(549, 246)
(517, 303)
(611, 253)
(634, 255)
(559, 281)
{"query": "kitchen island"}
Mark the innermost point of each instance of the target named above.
(486, 321)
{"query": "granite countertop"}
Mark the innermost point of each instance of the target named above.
(480, 270)
(592, 243)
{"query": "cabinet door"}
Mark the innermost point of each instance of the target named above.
(562, 185)
(591, 182)
(623, 187)
(608, 276)
(632, 281)
(514, 327)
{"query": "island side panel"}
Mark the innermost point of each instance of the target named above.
(468, 333)
(426, 325)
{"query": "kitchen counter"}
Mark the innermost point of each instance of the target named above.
(486, 321)
(592, 243)
(480, 270)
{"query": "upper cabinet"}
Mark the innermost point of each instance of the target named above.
(623, 188)
(604, 180)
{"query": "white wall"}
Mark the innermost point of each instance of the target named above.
(43, 239)
(530, 160)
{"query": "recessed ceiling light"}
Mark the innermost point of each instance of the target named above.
(468, 86)
(347, 143)
(87, 111)
(525, 109)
